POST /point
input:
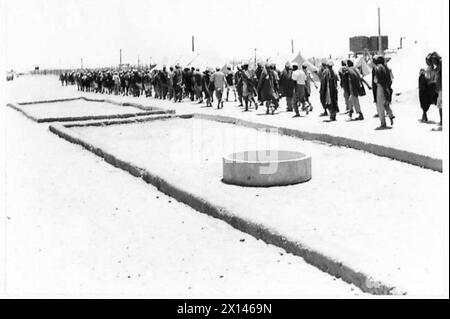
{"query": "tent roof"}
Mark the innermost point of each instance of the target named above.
(281, 59)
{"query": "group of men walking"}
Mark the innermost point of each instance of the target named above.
(353, 87)
(266, 85)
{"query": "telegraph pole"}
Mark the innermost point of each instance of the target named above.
(120, 57)
(255, 57)
(401, 42)
(81, 63)
(193, 44)
(380, 49)
(292, 46)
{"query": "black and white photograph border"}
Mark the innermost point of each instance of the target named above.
(224, 150)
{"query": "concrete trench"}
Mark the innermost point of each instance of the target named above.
(329, 265)
(325, 263)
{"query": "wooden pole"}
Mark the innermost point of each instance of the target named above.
(193, 47)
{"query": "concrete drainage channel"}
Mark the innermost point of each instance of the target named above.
(420, 160)
(143, 110)
(325, 263)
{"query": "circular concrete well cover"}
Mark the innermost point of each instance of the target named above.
(266, 168)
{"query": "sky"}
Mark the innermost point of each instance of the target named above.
(55, 33)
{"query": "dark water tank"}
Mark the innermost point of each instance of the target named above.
(373, 43)
(359, 43)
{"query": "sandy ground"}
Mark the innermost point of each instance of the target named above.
(76, 226)
(377, 215)
(76, 108)
(399, 211)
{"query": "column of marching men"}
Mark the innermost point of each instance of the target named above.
(265, 85)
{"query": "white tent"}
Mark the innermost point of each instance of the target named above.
(280, 60)
(300, 60)
(206, 59)
(186, 59)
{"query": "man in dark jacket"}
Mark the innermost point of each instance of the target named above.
(328, 90)
(258, 72)
(206, 82)
(198, 77)
(177, 83)
(287, 86)
(239, 84)
(381, 76)
(436, 60)
(230, 83)
(427, 89)
(355, 89)
(248, 86)
(322, 89)
(268, 89)
(343, 78)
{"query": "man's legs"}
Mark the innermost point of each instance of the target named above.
(246, 101)
(439, 105)
(348, 107)
(267, 107)
(324, 106)
(353, 104)
(296, 100)
(240, 95)
(289, 103)
(219, 98)
(380, 106)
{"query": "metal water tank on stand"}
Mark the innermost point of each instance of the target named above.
(373, 43)
(359, 44)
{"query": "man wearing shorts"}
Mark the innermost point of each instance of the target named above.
(299, 78)
(230, 83)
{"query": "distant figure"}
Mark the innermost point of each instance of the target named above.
(427, 88)
(206, 81)
(436, 60)
(170, 90)
(177, 83)
(299, 78)
(329, 91)
(238, 81)
(381, 76)
(61, 78)
(309, 79)
(287, 86)
(248, 87)
(344, 81)
(116, 80)
(230, 83)
(198, 77)
(356, 89)
(218, 78)
(268, 88)
(322, 89)
(258, 72)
